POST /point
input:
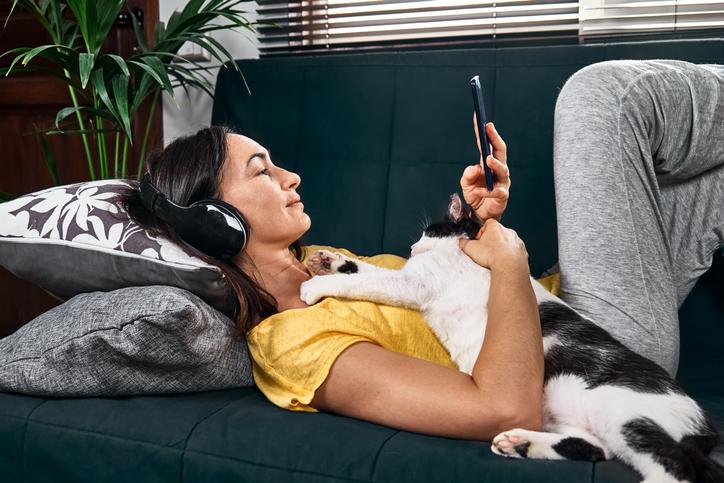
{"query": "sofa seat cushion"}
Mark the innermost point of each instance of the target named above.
(236, 435)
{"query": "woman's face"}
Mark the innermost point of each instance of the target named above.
(263, 193)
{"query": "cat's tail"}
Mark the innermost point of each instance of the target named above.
(707, 470)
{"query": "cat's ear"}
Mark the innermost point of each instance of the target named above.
(455, 210)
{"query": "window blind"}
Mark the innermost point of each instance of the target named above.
(319, 25)
(327, 25)
(607, 17)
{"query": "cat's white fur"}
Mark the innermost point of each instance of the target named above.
(451, 291)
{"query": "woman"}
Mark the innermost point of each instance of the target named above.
(638, 151)
(395, 389)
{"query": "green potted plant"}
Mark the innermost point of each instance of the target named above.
(107, 90)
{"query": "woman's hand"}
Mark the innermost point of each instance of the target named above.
(496, 246)
(487, 204)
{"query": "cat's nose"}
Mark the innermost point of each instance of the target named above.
(412, 250)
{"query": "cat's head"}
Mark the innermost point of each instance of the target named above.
(456, 224)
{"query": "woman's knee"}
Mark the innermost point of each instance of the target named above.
(599, 85)
(586, 120)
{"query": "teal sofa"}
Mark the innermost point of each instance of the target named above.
(380, 140)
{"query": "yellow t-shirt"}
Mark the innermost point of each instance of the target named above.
(293, 351)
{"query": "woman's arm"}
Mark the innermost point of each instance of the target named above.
(510, 363)
(511, 360)
(372, 383)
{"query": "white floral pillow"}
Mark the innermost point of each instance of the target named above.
(70, 239)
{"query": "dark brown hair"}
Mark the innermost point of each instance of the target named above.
(188, 170)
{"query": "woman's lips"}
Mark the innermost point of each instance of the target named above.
(298, 203)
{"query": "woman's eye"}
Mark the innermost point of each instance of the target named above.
(265, 170)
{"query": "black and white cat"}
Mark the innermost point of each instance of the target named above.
(601, 400)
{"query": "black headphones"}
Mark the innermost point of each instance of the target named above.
(212, 226)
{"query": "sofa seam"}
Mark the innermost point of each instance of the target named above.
(377, 456)
(107, 435)
(191, 431)
(389, 155)
(183, 451)
(186, 438)
(25, 434)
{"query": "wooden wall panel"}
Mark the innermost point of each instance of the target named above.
(29, 100)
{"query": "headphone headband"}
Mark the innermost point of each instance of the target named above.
(212, 226)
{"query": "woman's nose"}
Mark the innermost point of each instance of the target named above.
(294, 179)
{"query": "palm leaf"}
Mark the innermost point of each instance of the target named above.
(119, 85)
(144, 88)
(107, 13)
(67, 111)
(48, 158)
(99, 84)
(121, 63)
(140, 34)
(155, 68)
(34, 11)
(32, 53)
(81, 17)
(85, 66)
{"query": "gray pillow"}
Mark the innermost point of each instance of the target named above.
(137, 340)
(70, 239)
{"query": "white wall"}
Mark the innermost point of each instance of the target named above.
(195, 109)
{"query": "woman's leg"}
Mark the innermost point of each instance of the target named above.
(639, 181)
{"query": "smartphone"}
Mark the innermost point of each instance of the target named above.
(477, 89)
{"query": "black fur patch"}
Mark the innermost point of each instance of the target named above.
(578, 449)
(466, 227)
(704, 442)
(348, 267)
(522, 449)
(646, 436)
(591, 353)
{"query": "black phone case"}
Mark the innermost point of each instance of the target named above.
(477, 90)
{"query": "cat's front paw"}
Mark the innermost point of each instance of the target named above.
(511, 444)
(325, 262)
(314, 289)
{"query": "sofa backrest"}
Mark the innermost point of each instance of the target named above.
(380, 139)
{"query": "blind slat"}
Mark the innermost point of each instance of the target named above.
(286, 27)
(607, 17)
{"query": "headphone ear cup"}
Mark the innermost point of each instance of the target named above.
(215, 227)
(212, 226)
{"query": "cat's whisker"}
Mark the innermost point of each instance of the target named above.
(423, 220)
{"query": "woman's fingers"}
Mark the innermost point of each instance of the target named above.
(477, 133)
(501, 170)
(471, 174)
(498, 192)
(498, 147)
(500, 150)
(473, 178)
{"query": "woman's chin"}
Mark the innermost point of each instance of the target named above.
(304, 229)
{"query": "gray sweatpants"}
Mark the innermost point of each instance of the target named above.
(639, 181)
